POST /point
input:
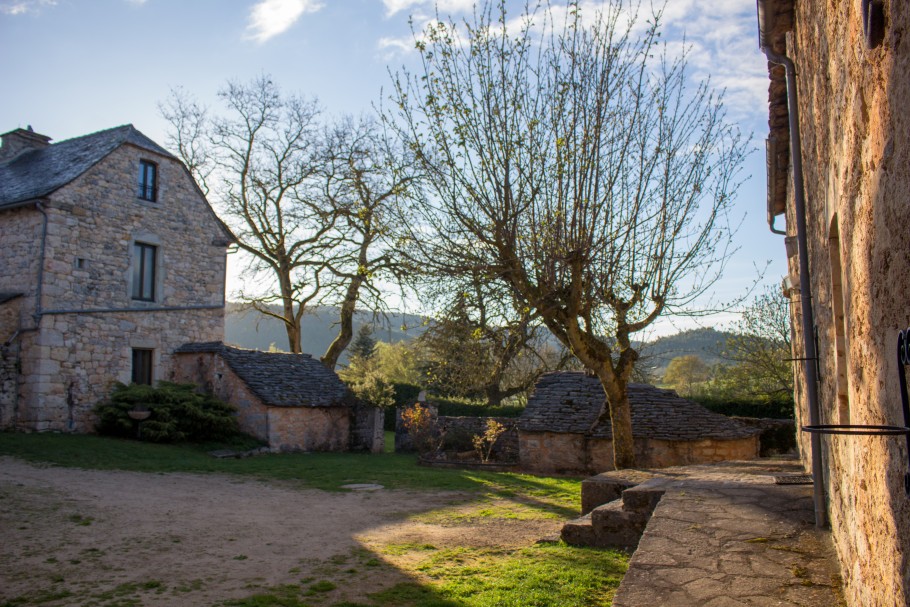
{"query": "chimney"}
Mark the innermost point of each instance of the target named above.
(19, 141)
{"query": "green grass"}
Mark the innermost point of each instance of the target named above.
(546, 575)
(327, 471)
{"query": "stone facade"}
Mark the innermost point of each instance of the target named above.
(68, 247)
(854, 121)
(565, 453)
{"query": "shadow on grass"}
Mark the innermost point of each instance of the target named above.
(553, 575)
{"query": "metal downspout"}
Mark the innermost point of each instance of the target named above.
(808, 320)
(39, 289)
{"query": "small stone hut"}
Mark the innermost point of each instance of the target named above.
(292, 401)
(559, 429)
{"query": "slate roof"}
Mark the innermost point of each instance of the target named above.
(280, 379)
(570, 402)
(40, 172)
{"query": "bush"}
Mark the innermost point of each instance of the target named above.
(463, 407)
(177, 413)
(778, 409)
(421, 426)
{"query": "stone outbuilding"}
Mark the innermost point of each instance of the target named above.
(291, 401)
(110, 257)
(559, 429)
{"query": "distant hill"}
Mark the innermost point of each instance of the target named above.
(250, 329)
(707, 344)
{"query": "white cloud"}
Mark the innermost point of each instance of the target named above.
(268, 18)
(445, 6)
(23, 7)
(137, 2)
(396, 45)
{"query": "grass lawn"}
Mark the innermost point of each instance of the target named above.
(440, 575)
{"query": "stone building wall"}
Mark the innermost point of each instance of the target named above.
(20, 233)
(309, 428)
(89, 322)
(575, 453)
(854, 123)
(74, 361)
(9, 388)
(212, 374)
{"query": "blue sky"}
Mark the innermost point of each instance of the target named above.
(71, 67)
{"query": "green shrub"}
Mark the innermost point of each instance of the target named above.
(178, 413)
(463, 407)
(778, 409)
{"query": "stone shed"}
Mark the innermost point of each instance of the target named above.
(559, 432)
(292, 401)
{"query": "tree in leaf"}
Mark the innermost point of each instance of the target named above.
(569, 158)
(364, 345)
(760, 348)
(684, 373)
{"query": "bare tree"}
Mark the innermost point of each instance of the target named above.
(569, 159)
(367, 176)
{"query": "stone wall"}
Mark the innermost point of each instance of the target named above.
(367, 429)
(212, 374)
(20, 233)
(460, 431)
(9, 389)
(854, 123)
(569, 453)
(309, 428)
(10, 319)
(89, 322)
(74, 361)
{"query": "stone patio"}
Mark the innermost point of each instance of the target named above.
(725, 535)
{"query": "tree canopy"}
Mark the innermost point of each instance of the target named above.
(567, 157)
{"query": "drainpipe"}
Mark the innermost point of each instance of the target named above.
(808, 321)
(39, 288)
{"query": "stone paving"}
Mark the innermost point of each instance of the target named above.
(725, 535)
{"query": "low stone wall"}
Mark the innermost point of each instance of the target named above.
(567, 453)
(459, 432)
(778, 436)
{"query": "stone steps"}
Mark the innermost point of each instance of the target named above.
(618, 523)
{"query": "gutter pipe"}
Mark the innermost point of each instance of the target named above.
(808, 321)
(39, 289)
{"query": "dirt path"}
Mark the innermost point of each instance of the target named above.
(86, 537)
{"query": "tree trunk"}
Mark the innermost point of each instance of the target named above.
(620, 412)
(345, 325)
(293, 331)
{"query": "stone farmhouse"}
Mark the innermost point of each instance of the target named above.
(559, 432)
(113, 269)
(839, 194)
(112, 258)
